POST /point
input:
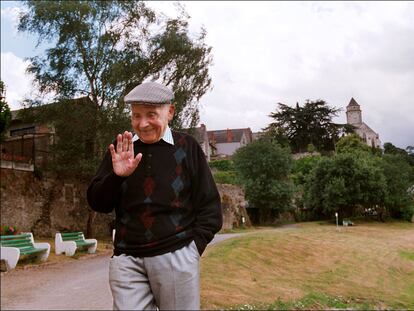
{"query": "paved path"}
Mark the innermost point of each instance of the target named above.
(76, 285)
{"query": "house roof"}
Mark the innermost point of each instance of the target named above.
(79, 100)
(366, 128)
(199, 133)
(228, 135)
(353, 102)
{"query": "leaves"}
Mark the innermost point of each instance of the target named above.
(310, 124)
(263, 167)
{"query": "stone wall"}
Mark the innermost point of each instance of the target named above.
(44, 206)
(234, 206)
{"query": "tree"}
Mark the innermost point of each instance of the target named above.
(398, 172)
(301, 170)
(342, 183)
(350, 144)
(263, 167)
(5, 114)
(407, 154)
(309, 124)
(101, 50)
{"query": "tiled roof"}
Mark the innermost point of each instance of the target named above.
(228, 135)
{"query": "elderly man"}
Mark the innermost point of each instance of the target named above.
(167, 207)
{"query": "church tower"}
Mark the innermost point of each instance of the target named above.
(354, 117)
(353, 113)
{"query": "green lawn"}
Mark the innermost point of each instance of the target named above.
(313, 266)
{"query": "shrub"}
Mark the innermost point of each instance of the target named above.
(222, 165)
(228, 177)
(9, 230)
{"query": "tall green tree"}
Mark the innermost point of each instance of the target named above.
(398, 174)
(307, 124)
(342, 183)
(5, 114)
(103, 49)
(263, 167)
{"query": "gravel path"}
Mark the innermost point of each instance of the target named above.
(76, 285)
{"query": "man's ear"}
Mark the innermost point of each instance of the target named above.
(171, 111)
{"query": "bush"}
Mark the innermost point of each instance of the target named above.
(228, 177)
(9, 230)
(222, 165)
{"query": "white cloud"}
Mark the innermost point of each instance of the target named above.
(12, 14)
(18, 83)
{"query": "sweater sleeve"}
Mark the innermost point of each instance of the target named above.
(206, 200)
(104, 190)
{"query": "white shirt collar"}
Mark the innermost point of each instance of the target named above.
(168, 138)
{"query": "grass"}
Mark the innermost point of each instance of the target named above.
(312, 266)
(26, 262)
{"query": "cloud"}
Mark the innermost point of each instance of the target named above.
(18, 83)
(12, 14)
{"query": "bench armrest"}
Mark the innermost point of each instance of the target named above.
(93, 247)
(10, 255)
(46, 253)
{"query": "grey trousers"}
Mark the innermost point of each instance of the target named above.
(166, 282)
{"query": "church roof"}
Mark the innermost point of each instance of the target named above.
(353, 102)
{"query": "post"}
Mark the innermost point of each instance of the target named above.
(336, 216)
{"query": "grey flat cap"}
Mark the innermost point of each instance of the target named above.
(150, 93)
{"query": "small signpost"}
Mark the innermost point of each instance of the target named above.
(336, 216)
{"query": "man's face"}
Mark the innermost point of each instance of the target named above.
(150, 121)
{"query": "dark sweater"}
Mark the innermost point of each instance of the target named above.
(170, 199)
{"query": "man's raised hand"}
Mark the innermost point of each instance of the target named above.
(123, 161)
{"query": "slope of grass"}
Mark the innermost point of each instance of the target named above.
(313, 266)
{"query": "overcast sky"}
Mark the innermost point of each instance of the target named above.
(270, 52)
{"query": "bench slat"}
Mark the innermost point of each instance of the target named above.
(33, 250)
(13, 237)
(16, 243)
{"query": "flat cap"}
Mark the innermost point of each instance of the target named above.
(150, 93)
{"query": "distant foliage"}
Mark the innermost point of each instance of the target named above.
(343, 182)
(225, 177)
(264, 167)
(310, 124)
(302, 167)
(398, 173)
(222, 165)
(350, 144)
(5, 113)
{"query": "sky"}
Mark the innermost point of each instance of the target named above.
(271, 52)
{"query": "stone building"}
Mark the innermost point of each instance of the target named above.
(354, 117)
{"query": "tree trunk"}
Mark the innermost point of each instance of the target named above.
(90, 232)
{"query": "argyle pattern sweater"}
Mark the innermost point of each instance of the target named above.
(169, 200)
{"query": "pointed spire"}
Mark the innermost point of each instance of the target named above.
(353, 102)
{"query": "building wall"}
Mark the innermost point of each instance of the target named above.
(227, 148)
(369, 136)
